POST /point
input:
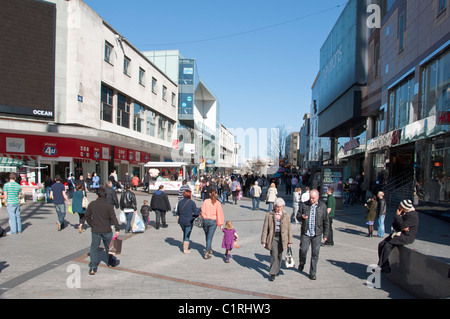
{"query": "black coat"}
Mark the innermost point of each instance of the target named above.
(160, 202)
(321, 218)
(405, 220)
(128, 200)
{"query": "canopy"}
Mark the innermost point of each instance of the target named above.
(8, 164)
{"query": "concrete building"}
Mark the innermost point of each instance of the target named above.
(93, 102)
(198, 109)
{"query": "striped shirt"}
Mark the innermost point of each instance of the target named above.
(12, 189)
(312, 221)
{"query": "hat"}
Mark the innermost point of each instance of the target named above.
(407, 205)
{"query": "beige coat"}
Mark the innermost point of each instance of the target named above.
(268, 231)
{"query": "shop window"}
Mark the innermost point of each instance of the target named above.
(109, 48)
(401, 108)
(435, 86)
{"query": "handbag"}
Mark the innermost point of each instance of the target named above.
(115, 247)
(198, 221)
(290, 263)
(85, 202)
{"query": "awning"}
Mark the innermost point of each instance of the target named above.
(10, 162)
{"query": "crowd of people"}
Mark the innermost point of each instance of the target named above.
(314, 215)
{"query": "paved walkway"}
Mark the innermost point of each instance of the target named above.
(44, 263)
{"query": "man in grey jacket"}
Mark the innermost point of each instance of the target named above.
(314, 218)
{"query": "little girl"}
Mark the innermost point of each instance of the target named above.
(229, 238)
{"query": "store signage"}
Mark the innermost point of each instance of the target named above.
(15, 145)
(352, 144)
(50, 150)
(43, 113)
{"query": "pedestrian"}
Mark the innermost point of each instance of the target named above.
(296, 200)
(70, 185)
(145, 212)
(346, 188)
(381, 214)
(235, 190)
(77, 205)
(146, 181)
(331, 207)
(135, 182)
(128, 205)
(100, 216)
(212, 215)
(271, 196)
(314, 218)
(371, 214)
(276, 236)
(305, 195)
(160, 205)
(230, 237)
(405, 225)
(12, 192)
(58, 193)
(206, 190)
(255, 192)
(95, 182)
(184, 186)
(225, 191)
(187, 211)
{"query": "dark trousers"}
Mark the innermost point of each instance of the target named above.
(276, 255)
(314, 242)
(384, 251)
(160, 218)
(330, 239)
(95, 243)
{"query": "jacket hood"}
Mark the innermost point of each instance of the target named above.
(158, 192)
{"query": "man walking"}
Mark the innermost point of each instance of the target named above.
(58, 193)
(255, 191)
(314, 218)
(100, 215)
(331, 206)
(160, 205)
(12, 192)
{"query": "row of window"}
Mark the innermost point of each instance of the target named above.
(109, 49)
(144, 120)
(434, 97)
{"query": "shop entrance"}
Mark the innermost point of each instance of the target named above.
(402, 161)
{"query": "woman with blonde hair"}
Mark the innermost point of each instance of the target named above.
(271, 196)
(212, 215)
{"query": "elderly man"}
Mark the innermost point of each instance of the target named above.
(255, 191)
(315, 225)
(276, 235)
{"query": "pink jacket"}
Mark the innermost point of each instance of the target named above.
(215, 212)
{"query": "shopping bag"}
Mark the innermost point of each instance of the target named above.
(138, 224)
(290, 263)
(115, 247)
(122, 218)
(69, 208)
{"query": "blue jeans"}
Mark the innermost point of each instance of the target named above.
(381, 225)
(209, 227)
(255, 202)
(270, 207)
(186, 232)
(129, 219)
(15, 223)
(61, 213)
(95, 243)
(223, 197)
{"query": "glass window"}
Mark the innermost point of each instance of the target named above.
(108, 52)
(401, 30)
(123, 111)
(107, 101)
(174, 99)
(442, 6)
(151, 123)
(141, 76)
(161, 127)
(164, 93)
(138, 118)
(154, 85)
(169, 131)
(401, 108)
(126, 65)
(435, 86)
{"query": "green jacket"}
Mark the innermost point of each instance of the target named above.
(331, 203)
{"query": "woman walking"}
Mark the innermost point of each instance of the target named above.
(271, 196)
(186, 213)
(95, 182)
(276, 236)
(212, 215)
(77, 205)
(371, 214)
(128, 205)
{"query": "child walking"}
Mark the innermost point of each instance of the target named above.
(145, 212)
(229, 238)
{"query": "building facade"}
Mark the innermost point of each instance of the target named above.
(94, 103)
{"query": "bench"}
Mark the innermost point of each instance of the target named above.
(422, 276)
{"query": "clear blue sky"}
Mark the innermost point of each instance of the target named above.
(262, 79)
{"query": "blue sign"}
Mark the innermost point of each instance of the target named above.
(50, 151)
